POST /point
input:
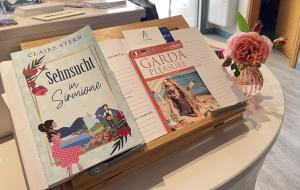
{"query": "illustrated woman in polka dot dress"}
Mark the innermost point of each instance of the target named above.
(64, 156)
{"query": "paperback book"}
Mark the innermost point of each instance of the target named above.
(76, 111)
(175, 87)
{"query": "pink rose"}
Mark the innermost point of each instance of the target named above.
(29, 72)
(43, 68)
(257, 27)
(248, 48)
(124, 131)
(31, 84)
(39, 91)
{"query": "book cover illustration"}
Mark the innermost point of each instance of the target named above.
(174, 85)
(73, 105)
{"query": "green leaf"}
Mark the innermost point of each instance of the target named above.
(122, 143)
(237, 73)
(234, 66)
(39, 61)
(236, 69)
(32, 64)
(227, 62)
(30, 78)
(115, 146)
(242, 23)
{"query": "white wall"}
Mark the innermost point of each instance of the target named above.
(186, 8)
(243, 8)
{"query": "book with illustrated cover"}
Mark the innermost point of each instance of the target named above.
(76, 111)
(175, 87)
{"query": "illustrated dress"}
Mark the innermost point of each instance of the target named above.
(67, 156)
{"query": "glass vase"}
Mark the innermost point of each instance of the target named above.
(250, 80)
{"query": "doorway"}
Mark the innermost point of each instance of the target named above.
(268, 16)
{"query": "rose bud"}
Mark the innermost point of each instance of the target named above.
(31, 84)
(257, 27)
(280, 42)
(39, 91)
(29, 72)
(219, 53)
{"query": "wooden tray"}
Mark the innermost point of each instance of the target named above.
(153, 150)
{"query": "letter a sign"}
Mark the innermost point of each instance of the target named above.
(145, 35)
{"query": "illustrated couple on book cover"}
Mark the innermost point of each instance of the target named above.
(85, 134)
